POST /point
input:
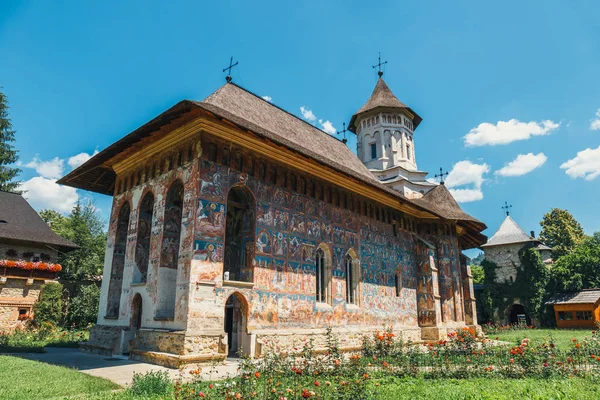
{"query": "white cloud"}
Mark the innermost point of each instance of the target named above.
(43, 193)
(328, 127)
(47, 169)
(595, 125)
(308, 114)
(465, 173)
(505, 132)
(79, 159)
(585, 165)
(267, 98)
(466, 195)
(523, 164)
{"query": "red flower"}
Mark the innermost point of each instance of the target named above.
(257, 374)
(317, 383)
(305, 393)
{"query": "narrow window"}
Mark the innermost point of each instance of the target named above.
(397, 284)
(350, 285)
(373, 150)
(408, 151)
(320, 264)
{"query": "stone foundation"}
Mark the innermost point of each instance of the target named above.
(104, 339)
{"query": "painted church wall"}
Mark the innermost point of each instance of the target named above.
(289, 227)
(158, 187)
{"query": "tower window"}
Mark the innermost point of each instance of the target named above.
(373, 150)
(408, 151)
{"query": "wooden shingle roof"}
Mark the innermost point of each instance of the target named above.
(509, 232)
(382, 97)
(20, 222)
(585, 296)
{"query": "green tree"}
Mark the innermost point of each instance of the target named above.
(561, 231)
(579, 269)
(478, 273)
(84, 227)
(8, 154)
(532, 278)
(83, 309)
(49, 308)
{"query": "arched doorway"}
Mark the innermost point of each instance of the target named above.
(135, 323)
(136, 312)
(516, 314)
(238, 340)
(239, 235)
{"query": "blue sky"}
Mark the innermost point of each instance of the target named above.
(491, 81)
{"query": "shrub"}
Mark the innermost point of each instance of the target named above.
(83, 309)
(49, 306)
(150, 384)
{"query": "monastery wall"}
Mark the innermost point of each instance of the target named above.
(506, 257)
(278, 300)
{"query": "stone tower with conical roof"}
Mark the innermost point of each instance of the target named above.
(385, 127)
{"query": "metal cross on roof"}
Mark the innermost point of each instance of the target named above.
(228, 69)
(507, 208)
(379, 64)
(441, 175)
(344, 140)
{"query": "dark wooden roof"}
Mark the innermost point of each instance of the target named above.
(20, 222)
(440, 201)
(251, 113)
(585, 296)
(382, 97)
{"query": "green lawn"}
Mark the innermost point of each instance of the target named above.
(490, 388)
(26, 379)
(563, 338)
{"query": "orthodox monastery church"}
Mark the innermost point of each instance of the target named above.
(235, 223)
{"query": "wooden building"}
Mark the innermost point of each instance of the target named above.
(235, 223)
(577, 309)
(28, 253)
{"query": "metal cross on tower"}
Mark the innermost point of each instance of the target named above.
(344, 140)
(228, 69)
(441, 175)
(379, 64)
(507, 208)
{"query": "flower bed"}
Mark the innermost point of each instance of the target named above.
(302, 374)
(34, 340)
(30, 265)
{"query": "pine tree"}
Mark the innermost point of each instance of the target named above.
(8, 154)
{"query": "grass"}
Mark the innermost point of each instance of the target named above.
(488, 389)
(455, 389)
(563, 338)
(26, 379)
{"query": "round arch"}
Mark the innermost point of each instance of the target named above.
(235, 324)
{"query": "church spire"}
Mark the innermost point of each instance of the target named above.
(379, 64)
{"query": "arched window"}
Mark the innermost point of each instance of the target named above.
(398, 283)
(144, 233)
(115, 285)
(169, 252)
(239, 235)
(352, 279)
(321, 287)
(323, 274)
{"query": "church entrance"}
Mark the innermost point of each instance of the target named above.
(135, 323)
(238, 339)
(239, 235)
(516, 315)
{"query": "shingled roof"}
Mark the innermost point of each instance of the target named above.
(585, 296)
(509, 232)
(252, 113)
(444, 204)
(382, 97)
(20, 222)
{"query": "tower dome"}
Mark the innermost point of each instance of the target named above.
(384, 127)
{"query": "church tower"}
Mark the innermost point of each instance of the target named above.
(385, 128)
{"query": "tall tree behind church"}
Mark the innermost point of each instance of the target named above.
(561, 231)
(84, 227)
(8, 154)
